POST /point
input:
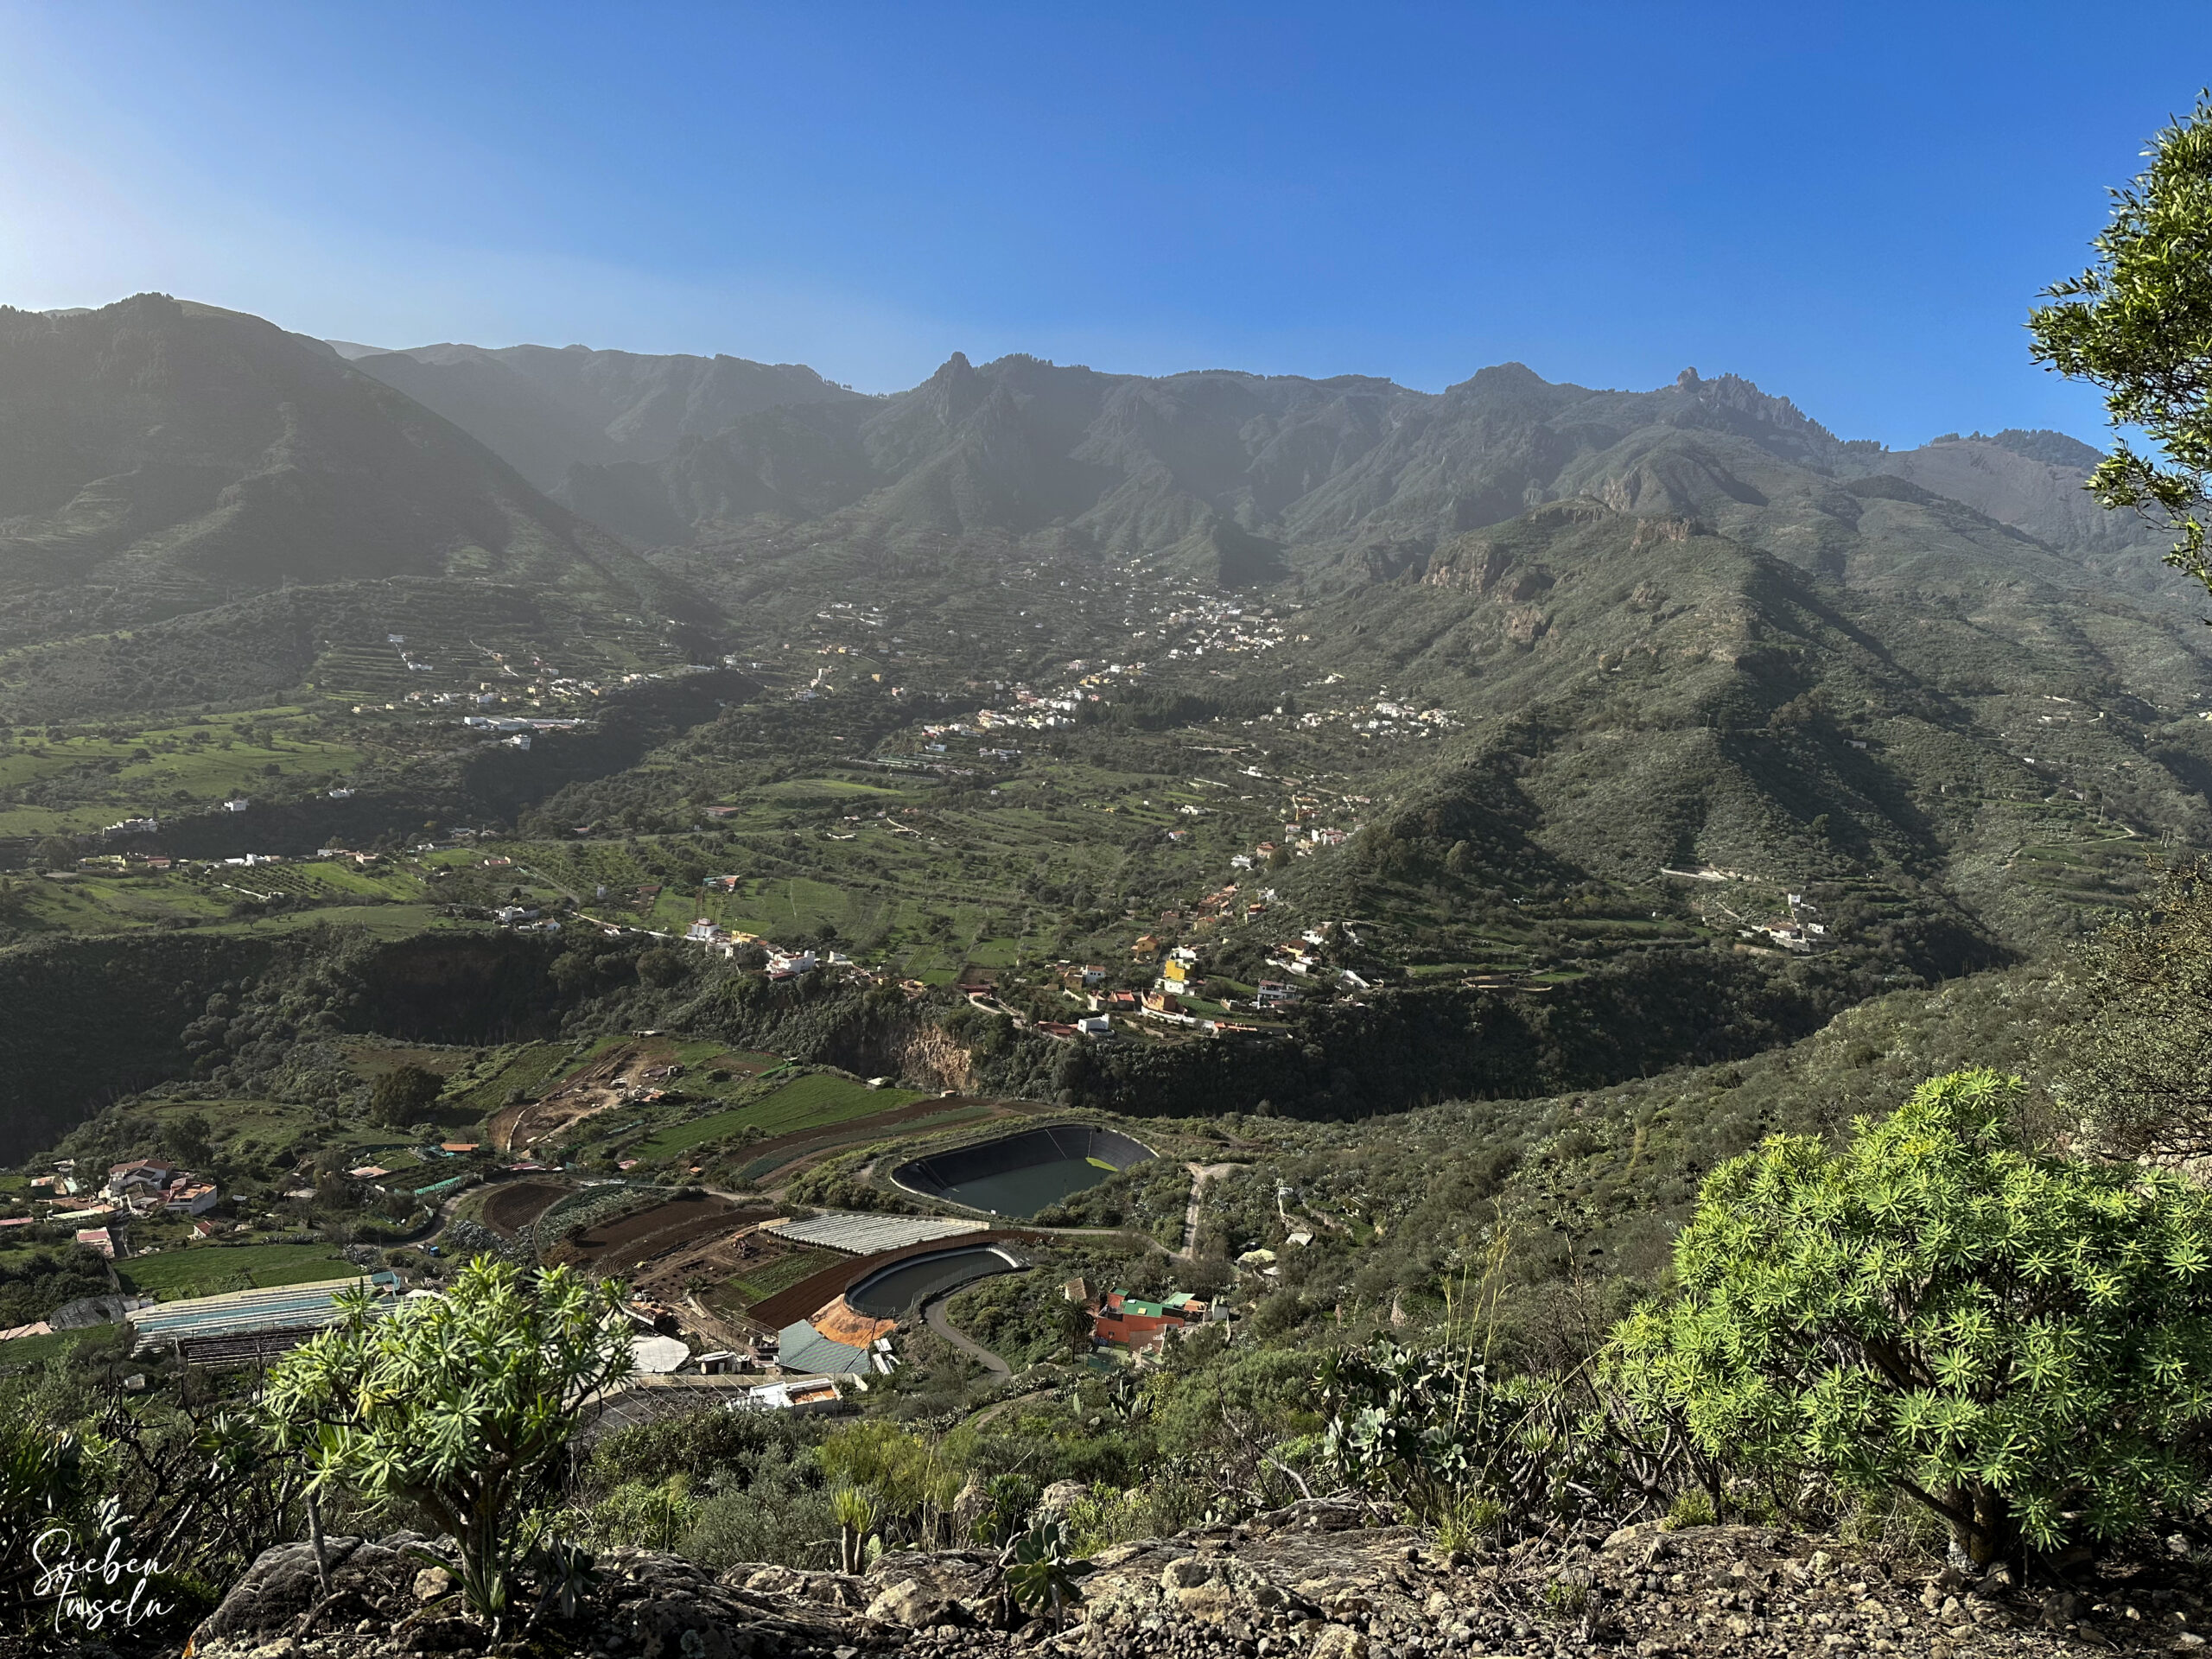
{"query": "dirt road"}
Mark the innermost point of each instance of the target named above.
(1200, 1174)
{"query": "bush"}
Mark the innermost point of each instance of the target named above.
(2016, 1339)
(463, 1405)
(2135, 1066)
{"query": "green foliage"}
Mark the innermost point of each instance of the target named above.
(911, 1479)
(1008, 1500)
(2136, 323)
(462, 1405)
(646, 1515)
(34, 1283)
(2017, 1339)
(43, 1481)
(750, 1488)
(1043, 1572)
(1454, 1445)
(2135, 1066)
(404, 1095)
(856, 1510)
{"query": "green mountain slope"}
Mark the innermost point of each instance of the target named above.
(1642, 693)
(158, 457)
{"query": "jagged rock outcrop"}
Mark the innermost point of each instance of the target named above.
(1308, 1580)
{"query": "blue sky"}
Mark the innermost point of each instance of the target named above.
(1853, 206)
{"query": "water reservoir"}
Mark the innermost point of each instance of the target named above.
(1019, 1174)
(896, 1289)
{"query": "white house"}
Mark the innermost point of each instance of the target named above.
(143, 1172)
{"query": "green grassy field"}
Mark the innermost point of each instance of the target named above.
(209, 1269)
(158, 770)
(820, 1099)
(249, 1126)
(36, 1350)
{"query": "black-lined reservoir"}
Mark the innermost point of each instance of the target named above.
(896, 1290)
(1019, 1174)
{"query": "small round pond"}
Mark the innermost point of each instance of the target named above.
(1019, 1174)
(896, 1289)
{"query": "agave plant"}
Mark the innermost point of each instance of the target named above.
(856, 1511)
(1041, 1571)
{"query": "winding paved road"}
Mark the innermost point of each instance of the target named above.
(933, 1316)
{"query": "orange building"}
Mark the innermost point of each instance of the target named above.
(1129, 1322)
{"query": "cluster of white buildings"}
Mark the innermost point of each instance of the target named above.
(781, 964)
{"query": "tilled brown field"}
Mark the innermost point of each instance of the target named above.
(513, 1207)
(623, 1245)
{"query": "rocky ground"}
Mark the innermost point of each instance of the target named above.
(1304, 1581)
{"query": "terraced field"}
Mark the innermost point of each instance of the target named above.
(772, 1277)
(497, 635)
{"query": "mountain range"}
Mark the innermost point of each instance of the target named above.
(157, 456)
(1537, 642)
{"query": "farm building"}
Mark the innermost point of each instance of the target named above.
(245, 1327)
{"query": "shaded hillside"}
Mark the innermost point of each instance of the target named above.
(543, 410)
(336, 638)
(1643, 692)
(2032, 481)
(158, 456)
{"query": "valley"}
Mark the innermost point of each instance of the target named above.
(1401, 836)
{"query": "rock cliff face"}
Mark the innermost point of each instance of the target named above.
(1305, 1580)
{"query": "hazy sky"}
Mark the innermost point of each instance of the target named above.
(1851, 205)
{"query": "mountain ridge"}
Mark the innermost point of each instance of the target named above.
(159, 456)
(542, 409)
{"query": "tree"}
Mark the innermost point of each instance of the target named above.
(187, 1138)
(2019, 1340)
(2134, 1067)
(463, 1405)
(2138, 323)
(404, 1095)
(1073, 1323)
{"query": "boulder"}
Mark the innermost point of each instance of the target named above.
(1059, 1498)
(916, 1606)
(366, 1577)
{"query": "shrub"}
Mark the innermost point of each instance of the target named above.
(2135, 1066)
(463, 1405)
(2016, 1339)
